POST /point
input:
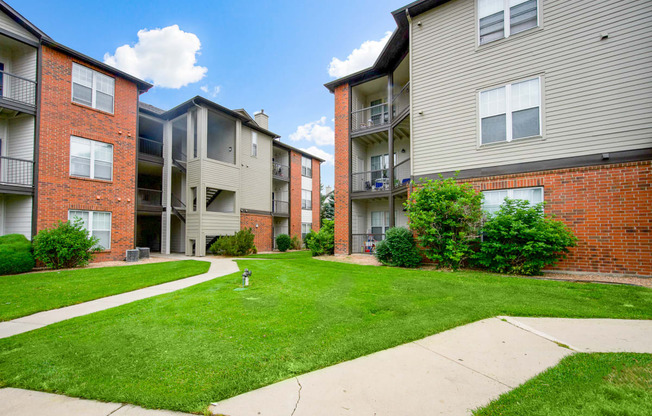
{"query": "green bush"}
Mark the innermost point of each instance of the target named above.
(308, 238)
(283, 242)
(398, 249)
(65, 245)
(238, 244)
(295, 243)
(322, 242)
(445, 215)
(15, 254)
(520, 239)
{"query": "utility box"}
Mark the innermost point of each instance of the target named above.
(132, 256)
(143, 252)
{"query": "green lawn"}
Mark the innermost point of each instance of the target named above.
(183, 350)
(25, 294)
(583, 385)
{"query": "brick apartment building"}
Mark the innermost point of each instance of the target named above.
(532, 99)
(205, 171)
(70, 147)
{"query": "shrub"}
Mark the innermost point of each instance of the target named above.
(322, 242)
(283, 242)
(398, 249)
(445, 215)
(238, 244)
(296, 242)
(308, 238)
(65, 245)
(520, 239)
(15, 254)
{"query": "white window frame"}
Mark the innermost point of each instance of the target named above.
(97, 76)
(307, 206)
(92, 159)
(510, 194)
(306, 167)
(91, 215)
(506, 21)
(306, 228)
(509, 111)
(254, 144)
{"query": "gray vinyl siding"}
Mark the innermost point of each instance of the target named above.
(8, 24)
(20, 137)
(255, 172)
(23, 63)
(596, 94)
(217, 223)
(18, 215)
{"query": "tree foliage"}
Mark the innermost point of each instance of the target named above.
(445, 215)
(322, 242)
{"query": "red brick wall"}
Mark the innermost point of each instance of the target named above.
(608, 207)
(342, 155)
(60, 118)
(316, 194)
(264, 232)
(295, 194)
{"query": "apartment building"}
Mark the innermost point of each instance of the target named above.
(206, 171)
(543, 100)
(68, 128)
(76, 143)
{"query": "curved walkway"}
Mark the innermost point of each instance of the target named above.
(219, 267)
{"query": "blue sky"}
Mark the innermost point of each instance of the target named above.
(258, 54)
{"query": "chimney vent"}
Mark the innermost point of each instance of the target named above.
(262, 119)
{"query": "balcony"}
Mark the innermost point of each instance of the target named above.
(17, 92)
(16, 172)
(150, 147)
(280, 171)
(280, 207)
(401, 102)
(370, 181)
(370, 117)
(402, 175)
(149, 199)
(365, 243)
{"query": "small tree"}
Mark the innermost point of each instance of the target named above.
(327, 207)
(322, 242)
(520, 239)
(398, 249)
(283, 242)
(445, 216)
(68, 245)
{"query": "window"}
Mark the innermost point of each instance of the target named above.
(379, 224)
(97, 223)
(306, 199)
(92, 88)
(193, 195)
(494, 199)
(254, 144)
(306, 166)
(91, 159)
(510, 112)
(501, 18)
(306, 227)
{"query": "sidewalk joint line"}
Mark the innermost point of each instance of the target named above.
(459, 363)
(527, 328)
(121, 406)
(298, 398)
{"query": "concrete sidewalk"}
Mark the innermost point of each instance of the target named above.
(219, 267)
(450, 373)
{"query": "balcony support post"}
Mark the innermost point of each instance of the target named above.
(390, 142)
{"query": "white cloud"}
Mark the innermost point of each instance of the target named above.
(361, 58)
(315, 131)
(211, 91)
(314, 150)
(167, 57)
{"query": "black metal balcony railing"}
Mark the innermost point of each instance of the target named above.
(280, 171)
(401, 101)
(18, 172)
(366, 118)
(280, 207)
(18, 89)
(402, 173)
(149, 197)
(369, 181)
(150, 147)
(365, 243)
